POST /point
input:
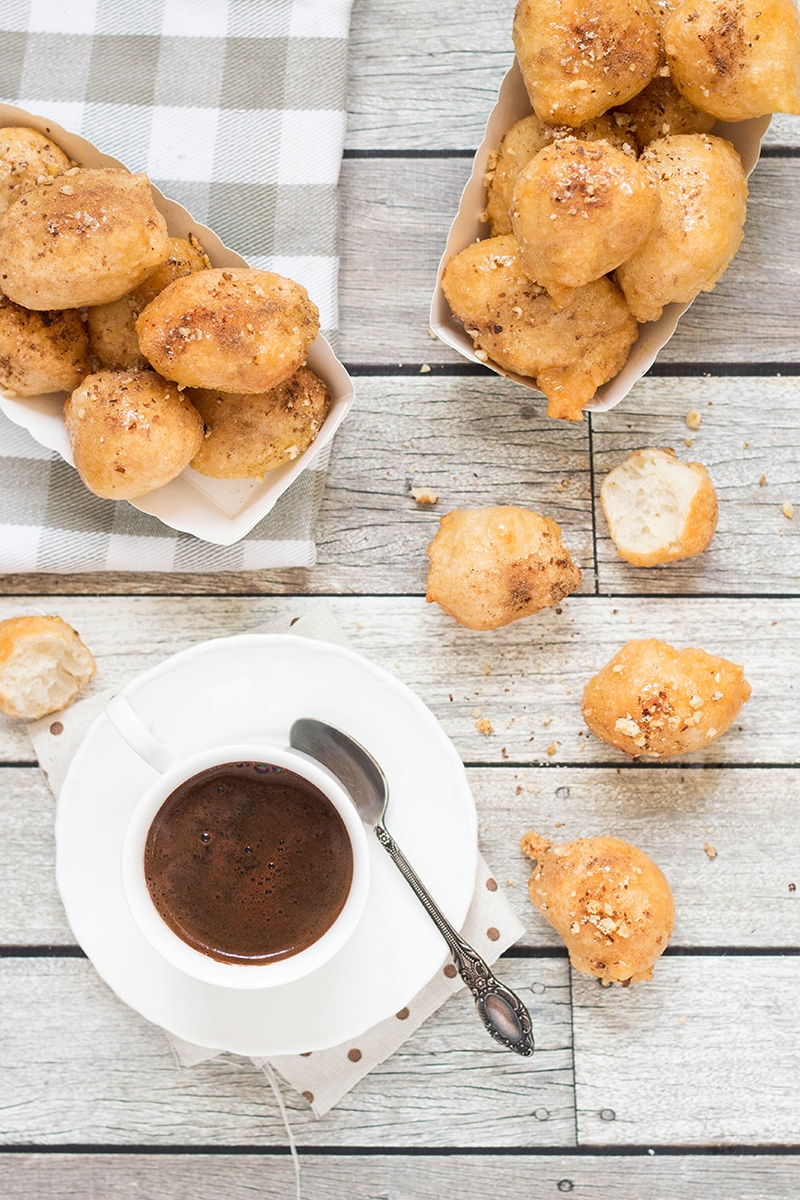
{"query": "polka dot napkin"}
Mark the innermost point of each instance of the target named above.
(324, 1076)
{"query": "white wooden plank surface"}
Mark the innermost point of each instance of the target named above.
(475, 442)
(748, 817)
(428, 80)
(481, 441)
(398, 1177)
(706, 1053)
(398, 215)
(750, 443)
(80, 1067)
(513, 676)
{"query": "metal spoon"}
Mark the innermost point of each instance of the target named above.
(502, 1012)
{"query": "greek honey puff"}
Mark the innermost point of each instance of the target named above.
(736, 60)
(491, 566)
(41, 351)
(131, 432)
(580, 58)
(654, 700)
(607, 900)
(247, 435)
(25, 156)
(84, 238)
(698, 227)
(234, 329)
(525, 139)
(579, 210)
(112, 326)
(569, 353)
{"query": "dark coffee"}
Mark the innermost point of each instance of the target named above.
(248, 862)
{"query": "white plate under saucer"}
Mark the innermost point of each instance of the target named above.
(254, 686)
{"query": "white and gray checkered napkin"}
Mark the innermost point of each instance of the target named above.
(237, 110)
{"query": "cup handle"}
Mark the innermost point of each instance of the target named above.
(130, 728)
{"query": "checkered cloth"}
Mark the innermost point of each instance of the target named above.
(236, 109)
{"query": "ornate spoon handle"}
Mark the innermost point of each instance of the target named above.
(502, 1011)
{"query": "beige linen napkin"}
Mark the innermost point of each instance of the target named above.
(323, 1076)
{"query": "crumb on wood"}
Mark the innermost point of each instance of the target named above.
(484, 726)
(711, 851)
(424, 495)
(693, 419)
(787, 508)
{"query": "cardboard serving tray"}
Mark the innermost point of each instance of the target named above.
(215, 510)
(512, 105)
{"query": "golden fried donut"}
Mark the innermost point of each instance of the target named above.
(247, 435)
(41, 351)
(43, 666)
(736, 59)
(112, 327)
(569, 353)
(235, 329)
(607, 901)
(84, 238)
(579, 58)
(661, 110)
(525, 139)
(658, 508)
(25, 156)
(698, 228)
(491, 566)
(655, 700)
(131, 432)
(578, 210)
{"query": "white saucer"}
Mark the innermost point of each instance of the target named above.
(255, 685)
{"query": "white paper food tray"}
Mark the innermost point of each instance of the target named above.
(512, 105)
(216, 510)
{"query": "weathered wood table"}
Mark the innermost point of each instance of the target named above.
(688, 1086)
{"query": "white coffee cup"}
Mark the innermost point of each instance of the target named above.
(171, 775)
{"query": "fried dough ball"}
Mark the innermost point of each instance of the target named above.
(607, 900)
(131, 432)
(736, 58)
(661, 110)
(578, 210)
(41, 351)
(699, 225)
(569, 353)
(25, 155)
(525, 139)
(112, 327)
(43, 666)
(248, 435)
(83, 239)
(658, 508)
(581, 57)
(491, 566)
(235, 329)
(655, 700)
